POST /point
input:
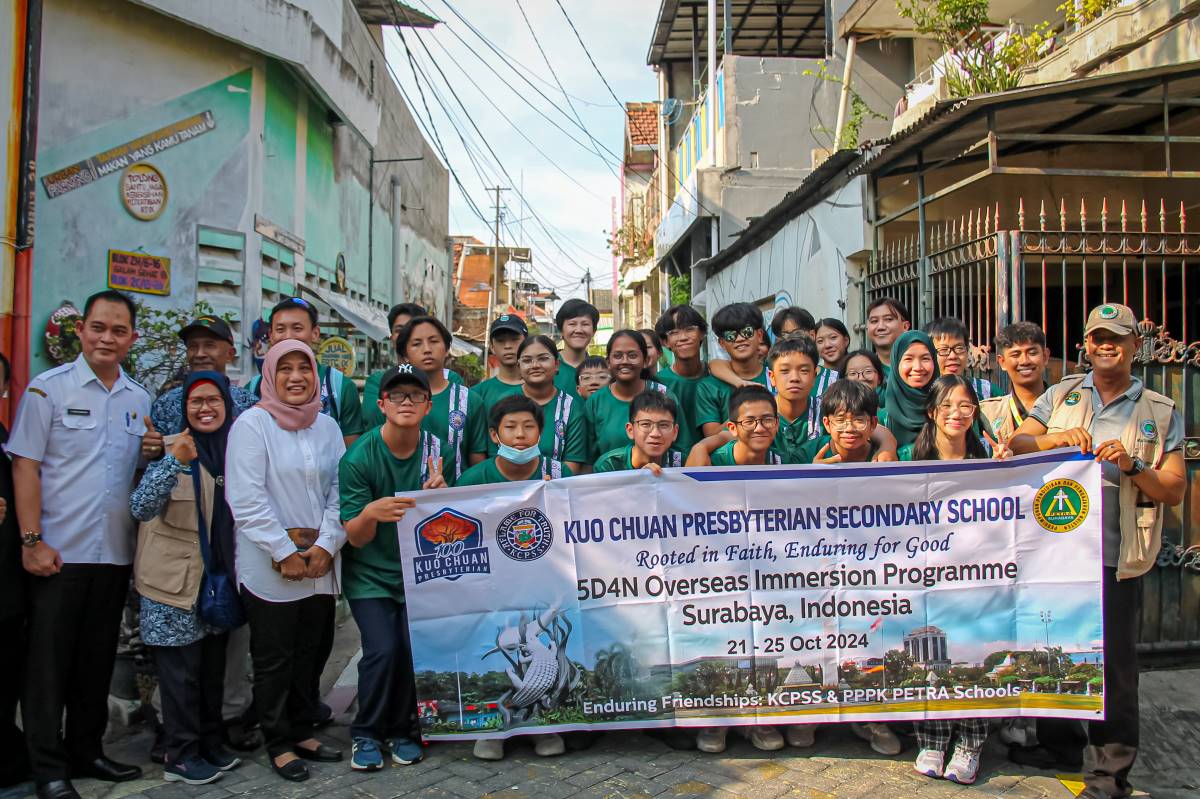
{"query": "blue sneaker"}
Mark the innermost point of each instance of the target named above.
(405, 752)
(221, 758)
(192, 771)
(366, 755)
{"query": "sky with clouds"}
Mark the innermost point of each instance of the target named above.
(563, 150)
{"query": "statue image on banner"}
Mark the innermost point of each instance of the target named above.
(543, 677)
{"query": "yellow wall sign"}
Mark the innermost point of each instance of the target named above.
(137, 271)
(144, 191)
(337, 353)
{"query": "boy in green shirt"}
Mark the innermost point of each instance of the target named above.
(576, 321)
(457, 417)
(953, 352)
(848, 416)
(753, 420)
(652, 431)
(682, 329)
(739, 329)
(793, 364)
(887, 318)
(515, 426)
(296, 318)
(398, 317)
(504, 337)
(397, 456)
(591, 376)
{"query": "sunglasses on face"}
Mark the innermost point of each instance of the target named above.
(731, 336)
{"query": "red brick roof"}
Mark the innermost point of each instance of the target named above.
(641, 123)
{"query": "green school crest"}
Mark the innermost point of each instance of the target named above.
(1149, 430)
(1073, 398)
(1108, 312)
(1060, 505)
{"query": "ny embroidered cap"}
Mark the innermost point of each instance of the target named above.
(1111, 316)
(508, 321)
(404, 373)
(212, 325)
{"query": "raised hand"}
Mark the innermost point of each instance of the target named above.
(152, 441)
(184, 447)
(436, 480)
(820, 456)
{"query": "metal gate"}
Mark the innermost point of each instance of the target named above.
(1052, 272)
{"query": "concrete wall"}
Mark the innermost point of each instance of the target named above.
(113, 71)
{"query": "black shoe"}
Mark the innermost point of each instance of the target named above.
(241, 737)
(322, 754)
(293, 770)
(57, 789)
(324, 716)
(107, 770)
(220, 757)
(158, 750)
(1045, 758)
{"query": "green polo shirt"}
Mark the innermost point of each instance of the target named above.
(712, 399)
(808, 452)
(493, 390)
(371, 415)
(685, 390)
(723, 456)
(621, 459)
(605, 418)
(367, 472)
(565, 379)
(486, 473)
(791, 437)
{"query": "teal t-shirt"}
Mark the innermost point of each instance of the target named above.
(459, 419)
(486, 473)
(685, 390)
(605, 419)
(723, 456)
(565, 379)
(808, 452)
(712, 399)
(372, 416)
(621, 459)
(791, 437)
(367, 472)
(493, 390)
(905, 453)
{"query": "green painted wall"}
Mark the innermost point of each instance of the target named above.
(279, 146)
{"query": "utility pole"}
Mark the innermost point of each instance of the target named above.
(494, 293)
(587, 279)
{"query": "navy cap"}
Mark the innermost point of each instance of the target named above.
(213, 325)
(508, 321)
(404, 373)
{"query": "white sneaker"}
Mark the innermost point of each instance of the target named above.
(930, 763)
(767, 739)
(550, 745)
(882, 739)
(711, 740)
(489, 749)
(964, 766)
(800, 736)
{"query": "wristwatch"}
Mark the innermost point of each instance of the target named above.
(1138, 467)
(30, 538)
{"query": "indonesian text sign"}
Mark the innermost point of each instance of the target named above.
(137, 271)
(758, 595)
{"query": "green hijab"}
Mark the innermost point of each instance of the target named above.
(905, 404)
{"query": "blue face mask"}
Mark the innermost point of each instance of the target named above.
(519, 456)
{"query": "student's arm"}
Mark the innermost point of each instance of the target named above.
(477, 430)
(350, 412)
(885, 443)
(723, 371)
(701, 454)
(711, 407)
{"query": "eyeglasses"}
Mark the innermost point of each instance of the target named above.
(842, 424)
(196, 403)
(957, 349)
(690, 330)
(964, 408)
(411, 397)
(645, 425)
(731, 336)
(862, 374)
(750, 422)
(540, 360)
(625, 357)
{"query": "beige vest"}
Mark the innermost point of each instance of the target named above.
(167, 567)
(999, 417)
(1141, 519)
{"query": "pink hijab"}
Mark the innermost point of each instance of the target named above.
(289, 417)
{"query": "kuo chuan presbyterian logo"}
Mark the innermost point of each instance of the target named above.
(451, 545)
(1060, 506)
(524, 534)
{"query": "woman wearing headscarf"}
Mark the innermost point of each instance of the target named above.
(914, 367)
(283, 491)
(168, 570)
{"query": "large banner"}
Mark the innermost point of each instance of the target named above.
(758, 595)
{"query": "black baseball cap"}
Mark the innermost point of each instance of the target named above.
(212, 325)
(508, 321)
(404, 373)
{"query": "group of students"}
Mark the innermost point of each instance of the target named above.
(284, 495)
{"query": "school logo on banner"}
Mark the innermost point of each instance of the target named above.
(525, 534)
(450, 545)
(1060, 506)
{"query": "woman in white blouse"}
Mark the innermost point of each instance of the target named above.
(282, 487)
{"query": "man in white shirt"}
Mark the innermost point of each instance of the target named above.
(76, 443)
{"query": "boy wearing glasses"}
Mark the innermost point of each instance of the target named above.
(739, 329)
(682, 329)
(953, 350)
(848, 416)
(652, 431)
(394, 457)
(753, 420)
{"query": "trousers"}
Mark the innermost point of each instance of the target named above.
(387, 695)
(190, 680)
(1113, 743)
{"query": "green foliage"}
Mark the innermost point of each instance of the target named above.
(897, 665)
(159, 355)
(1082, 12)
(858, 112)
(615, 672)
(563, 715)
(470, 367)
(946, 21)
(681, 289)
(995, 658)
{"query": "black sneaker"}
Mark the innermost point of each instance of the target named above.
(222, 758)
(192, 771)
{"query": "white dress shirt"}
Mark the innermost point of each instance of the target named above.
(276, 479)
(88, 440)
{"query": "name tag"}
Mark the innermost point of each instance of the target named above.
(78, 412)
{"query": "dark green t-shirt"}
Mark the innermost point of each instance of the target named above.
(459, 419)
(808, 452)
(564, 437)
(372, 416)
(685, 390)
(791, 437)
(369, 471)
(712, 399)
(621, 459)
(606, 417)
(486, 473)
(493, 390)
(724, 456)
(565, 379)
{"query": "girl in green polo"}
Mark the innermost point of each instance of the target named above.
(607, 410)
